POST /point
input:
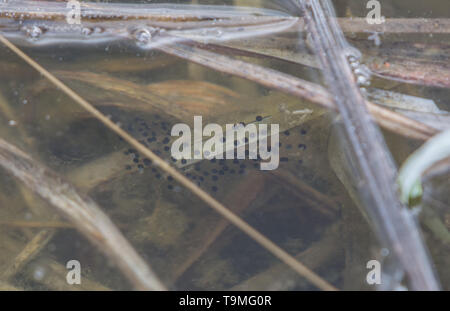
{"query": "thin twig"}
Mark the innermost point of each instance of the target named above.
(37, 243)
(37, 224)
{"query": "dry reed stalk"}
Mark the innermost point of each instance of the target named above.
(80, 210)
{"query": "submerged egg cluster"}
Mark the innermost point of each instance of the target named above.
(213, 174)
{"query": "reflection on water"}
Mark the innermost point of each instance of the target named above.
(305, 206)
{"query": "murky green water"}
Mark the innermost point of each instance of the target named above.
(303, 206)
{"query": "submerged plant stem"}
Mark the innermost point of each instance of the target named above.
(394, 224)
(294, 86)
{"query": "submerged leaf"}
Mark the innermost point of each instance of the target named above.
(181, 99)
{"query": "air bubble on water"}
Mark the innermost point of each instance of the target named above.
(358, 71)
(25, 102)
(143, 36)
(34, 32)
(361, 80)
(353, 59)
(384, 252)
(352, 53)
(86, 31)
(363, 70)
(212, 32)
(39, 273)
(354, 64)
(98, 29)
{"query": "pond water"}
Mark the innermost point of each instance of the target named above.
(307, 205)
